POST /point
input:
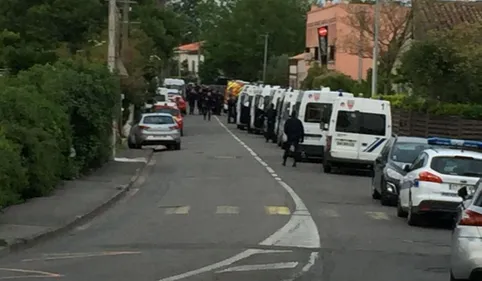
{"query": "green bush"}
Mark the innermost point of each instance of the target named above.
(418, 104)
(46, 111)
(336, 80)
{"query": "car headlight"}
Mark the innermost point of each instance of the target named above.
(391, 173)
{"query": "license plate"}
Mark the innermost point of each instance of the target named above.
(456, 187)
(345, 143)
(158, 138)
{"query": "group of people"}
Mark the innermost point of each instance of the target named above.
(207, 101)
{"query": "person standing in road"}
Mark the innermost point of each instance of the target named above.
(270, 122)
(295, 133)
(208, 105)
(231, 109)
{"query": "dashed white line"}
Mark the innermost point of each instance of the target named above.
(253, 267)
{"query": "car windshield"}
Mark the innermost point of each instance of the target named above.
(168, 110)
(314, 111)
(361, 123)
(406, 152)
(157, 120)
(457, 166)
(159, 98)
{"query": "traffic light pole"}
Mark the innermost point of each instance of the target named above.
(375, 48)
(265, 63)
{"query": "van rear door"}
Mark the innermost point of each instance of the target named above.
(373, 132)
(345, 140)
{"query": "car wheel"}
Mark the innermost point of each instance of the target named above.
(130, 144)
(177, 146)
(375, 193)
(182, 132)
(384, 199)
(400, 212)
(413, 219)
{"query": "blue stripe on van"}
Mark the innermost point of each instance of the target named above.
(377, 144)
(371, 144)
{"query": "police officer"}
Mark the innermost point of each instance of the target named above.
(231, 109)
(270, 122)
(295, 133)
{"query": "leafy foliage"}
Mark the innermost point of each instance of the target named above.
(277, 71)
(235, 44)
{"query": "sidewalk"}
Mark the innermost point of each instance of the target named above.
(71, 204)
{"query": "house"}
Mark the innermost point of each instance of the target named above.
(436, 15)
(189, 56)
(349, 35)
(298, 70)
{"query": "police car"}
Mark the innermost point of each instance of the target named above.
(434, 178)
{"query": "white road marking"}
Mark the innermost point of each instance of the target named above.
(378, 215)
(253, 267)
(79, 255)
(329, 213)
(299, 231)
(130, 160)
(35, 274)
(313, 257)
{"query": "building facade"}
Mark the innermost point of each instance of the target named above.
(189, 56)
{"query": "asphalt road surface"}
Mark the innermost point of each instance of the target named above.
(223, 208)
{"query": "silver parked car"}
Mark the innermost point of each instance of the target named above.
(466, 257)
(155, 129)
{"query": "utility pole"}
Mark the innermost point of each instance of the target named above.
(265, 63)
(375, 48)
(198, 62)
(111, 62)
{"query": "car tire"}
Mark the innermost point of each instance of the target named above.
(384, 199)
(400, 212)
(375, 193)
(412, 218)
(177, 146)
(182, 132)
(130, 145)
(326, 168)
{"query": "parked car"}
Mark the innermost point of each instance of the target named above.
(155, 129)
(388, 167)
(434, 178)
(466, 253)
(174, 111)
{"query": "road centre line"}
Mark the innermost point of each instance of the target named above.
(299, 232)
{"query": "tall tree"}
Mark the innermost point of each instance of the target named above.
(236, 44)
(394, 33)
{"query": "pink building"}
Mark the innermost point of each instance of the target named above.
(341, 36)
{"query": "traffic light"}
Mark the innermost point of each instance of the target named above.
(323, 44)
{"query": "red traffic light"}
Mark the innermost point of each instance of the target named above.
(322, 31)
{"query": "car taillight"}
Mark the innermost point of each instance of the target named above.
(174, 127)
(144, 127)
(427, 176)
(328, 143)
(471, 218)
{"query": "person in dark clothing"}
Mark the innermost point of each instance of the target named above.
(295, 133)
(231, 109)
(208, 104)
(270, 122)
(191, 98)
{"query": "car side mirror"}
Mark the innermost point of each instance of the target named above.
(406, 168)
(463, 192)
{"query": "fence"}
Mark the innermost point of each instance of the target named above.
(409, 123)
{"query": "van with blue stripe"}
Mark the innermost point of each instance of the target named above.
(358, 129)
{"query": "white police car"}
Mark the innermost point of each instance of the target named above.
(433, 179)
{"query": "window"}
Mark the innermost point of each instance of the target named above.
(361, 123)
(157, 120)
(168, 110)
(331, 53)
(457, 166)
(193, 65)
(314, 111)
(405, 152)
(286, 112)
(419, 162)
(159, 98)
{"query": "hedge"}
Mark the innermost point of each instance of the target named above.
(418, 104)
(46, 111)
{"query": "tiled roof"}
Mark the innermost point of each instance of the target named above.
(435, 15)
(192, 47)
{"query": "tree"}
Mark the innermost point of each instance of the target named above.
(394, 33)
(277, 71)
(236, 44)
(447, 66)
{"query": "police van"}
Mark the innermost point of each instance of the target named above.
(275, 99)
(313, 104)
(357, 131)
(243, 106)
(287, 107)
(257, 108)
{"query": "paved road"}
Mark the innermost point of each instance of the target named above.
(223, 208)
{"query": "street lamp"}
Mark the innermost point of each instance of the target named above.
(375, 47)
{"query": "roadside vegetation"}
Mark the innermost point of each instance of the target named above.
(57, 97)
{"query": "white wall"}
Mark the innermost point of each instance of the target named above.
(192, 61)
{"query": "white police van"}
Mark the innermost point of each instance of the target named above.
(432, 181)
(357, 131)
(313, 105)
(256, 121)
(243, 105)
(287, 107)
